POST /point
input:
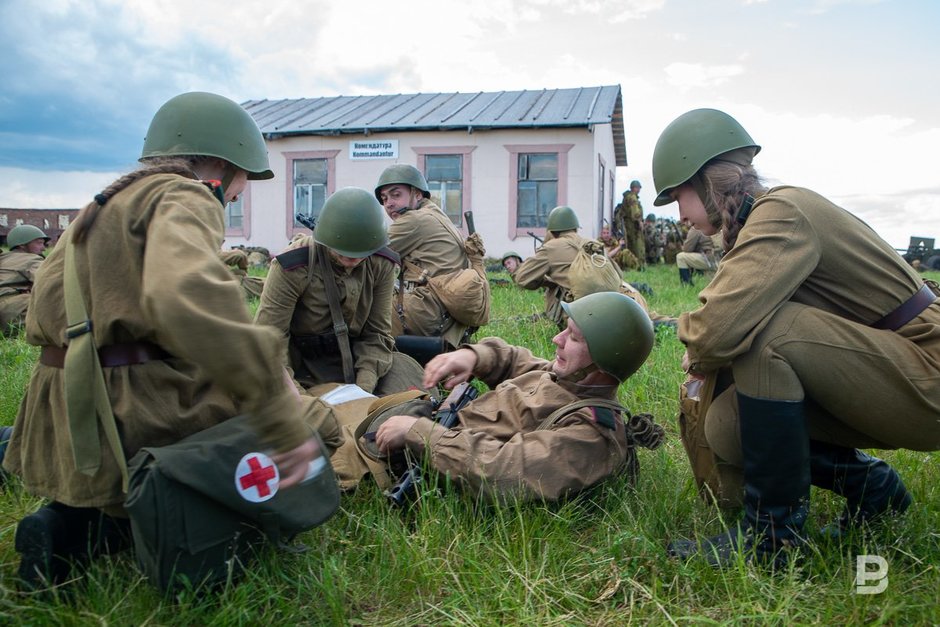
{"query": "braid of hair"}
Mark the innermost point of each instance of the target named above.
(727, 184)
(157, 165)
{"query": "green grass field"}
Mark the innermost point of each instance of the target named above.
(597, 560)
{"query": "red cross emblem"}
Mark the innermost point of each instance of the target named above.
(256, 477)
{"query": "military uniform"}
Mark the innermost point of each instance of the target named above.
(697, 251)
(792, 309)
(17, 273)
(295, 303)
(549, 268)
(629, 215)
(501, 447)
(429, 246)
(237, 261)
(172, 294)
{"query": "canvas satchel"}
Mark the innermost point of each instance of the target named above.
(466, 293)
(200, 507)
(592, 271)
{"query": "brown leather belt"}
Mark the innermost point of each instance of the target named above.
(908, 310)
(129, 354)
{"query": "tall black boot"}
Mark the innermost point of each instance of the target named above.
(775, 445)
(57, 537)
(5, 434)
(685, 276)
(870, 486)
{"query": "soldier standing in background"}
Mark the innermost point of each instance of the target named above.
(17, 272)
(628, 217)
(351, 238)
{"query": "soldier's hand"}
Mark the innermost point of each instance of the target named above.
(391, 435)
(452, 368)
(292, 465)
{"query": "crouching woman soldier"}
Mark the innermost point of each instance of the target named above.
(136, 304)
(833, 342)
(341, 278)
(529, 438)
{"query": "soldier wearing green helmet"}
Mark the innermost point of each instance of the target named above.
(827, 338)
(628, 222)
(18, 268)
(546, 429)
(177, 349)
(430, 246)
(347, 255)
(511, 261)
(550, 265)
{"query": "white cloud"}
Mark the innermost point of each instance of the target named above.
(29, 189)
(687, 76)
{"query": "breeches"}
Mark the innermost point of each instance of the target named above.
(863, 387)
(695, 261)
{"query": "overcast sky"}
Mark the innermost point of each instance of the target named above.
(843, 95)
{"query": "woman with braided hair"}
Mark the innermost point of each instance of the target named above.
(833, 342)
(165, 320)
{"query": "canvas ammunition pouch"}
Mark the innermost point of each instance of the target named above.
(358, 457)
(199, 508)
(695, 397)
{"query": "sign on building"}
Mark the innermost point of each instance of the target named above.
(379, 149)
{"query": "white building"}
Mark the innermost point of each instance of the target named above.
(509, 157)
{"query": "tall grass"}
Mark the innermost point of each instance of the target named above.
(596, 560)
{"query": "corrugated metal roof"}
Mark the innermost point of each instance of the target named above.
(548, 108)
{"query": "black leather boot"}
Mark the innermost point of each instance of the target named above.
(5, 434)
(57, 537)
(685, 276)
(776, 488)
(870, 486)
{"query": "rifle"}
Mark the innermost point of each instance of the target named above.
(307, 221)
(536, 240)
(403, 491)
(468, 216)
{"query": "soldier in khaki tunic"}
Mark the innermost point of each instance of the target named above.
(502, 446)
(628, 217)
(352, 235)
(697, 254)
(550, 264)
(833, 342)
(18, 272)
(237, 261)
(167, 328)
(429, 246)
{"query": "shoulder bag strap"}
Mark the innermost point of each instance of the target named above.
(340, 327)
(86, 395)
(561, 412)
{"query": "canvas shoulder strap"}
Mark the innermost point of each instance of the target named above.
(340, 328)
(86, 395)
(605, 416)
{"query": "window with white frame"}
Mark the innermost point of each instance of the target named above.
(310, 178)
(537, 188)
(235, 214)
(444, 174)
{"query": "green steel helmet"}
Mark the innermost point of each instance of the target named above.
(511, 253)
(689, 142)
(635, 183)
(24, 234)
(403, 174)
(562, 219)
(352, 223)
(200, 123)
(619, 334)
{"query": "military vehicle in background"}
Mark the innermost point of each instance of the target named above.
(922, 254)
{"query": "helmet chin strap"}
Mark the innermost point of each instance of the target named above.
(580, 374)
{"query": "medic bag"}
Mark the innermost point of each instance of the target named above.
(200, 507)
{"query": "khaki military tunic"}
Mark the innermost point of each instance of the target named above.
(294, 302)
(428, 243)
(790, 309)
(17, 273)
(697, 251)
(549, 268)
(149, 272)
(629, 216)
(498, 449)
